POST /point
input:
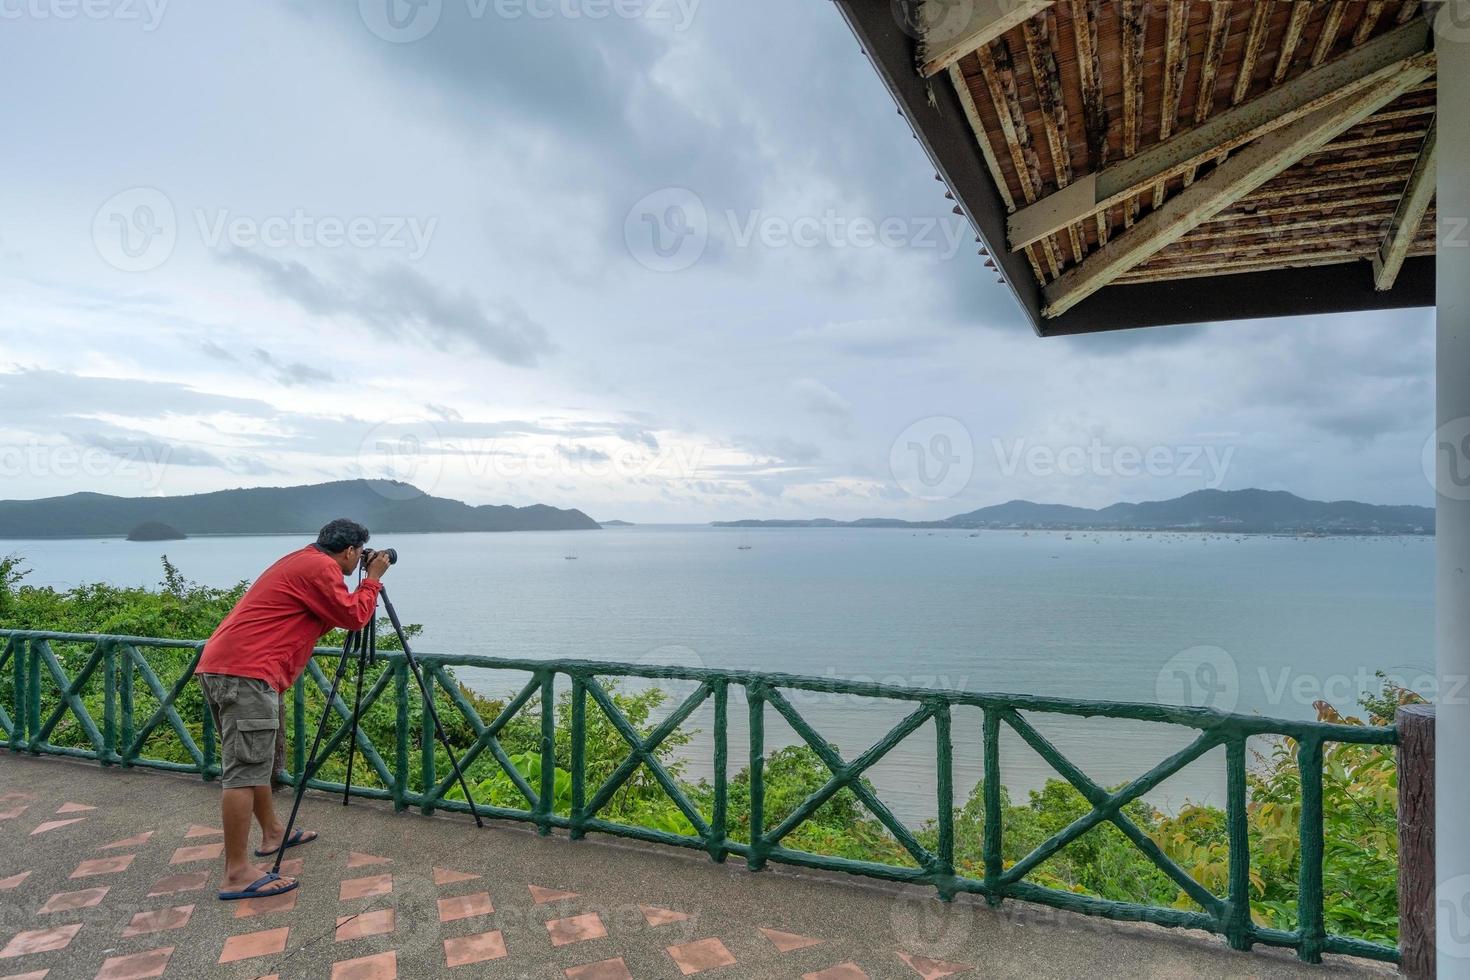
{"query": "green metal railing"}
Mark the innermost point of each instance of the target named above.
(29, 659)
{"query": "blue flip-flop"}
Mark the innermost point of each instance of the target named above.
(298, 836)
(253, 889)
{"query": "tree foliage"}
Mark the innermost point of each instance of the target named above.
(1359, 782)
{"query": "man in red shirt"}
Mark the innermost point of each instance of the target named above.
(257, 652)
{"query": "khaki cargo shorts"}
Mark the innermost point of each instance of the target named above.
(247, 714)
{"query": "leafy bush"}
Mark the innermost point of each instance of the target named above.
(1359, 782)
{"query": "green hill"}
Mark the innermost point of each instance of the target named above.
(383, 505)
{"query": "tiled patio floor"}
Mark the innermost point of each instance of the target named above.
(113, 874)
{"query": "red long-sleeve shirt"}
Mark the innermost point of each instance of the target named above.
(270, 633)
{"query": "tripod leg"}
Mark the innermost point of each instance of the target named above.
(432, 712)
(352, 736)
(312, 762)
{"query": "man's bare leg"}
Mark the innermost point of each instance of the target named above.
(236, 807)
(271, 828)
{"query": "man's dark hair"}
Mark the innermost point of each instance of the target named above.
(339, 535)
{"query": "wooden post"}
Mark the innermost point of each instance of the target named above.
(1415, 723)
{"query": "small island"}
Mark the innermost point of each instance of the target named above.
(155, 531)
(617, 523)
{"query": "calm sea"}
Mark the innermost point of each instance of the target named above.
(1259, 625)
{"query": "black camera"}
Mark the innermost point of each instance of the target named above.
(368, 554)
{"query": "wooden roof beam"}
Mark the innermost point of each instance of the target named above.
(1410, 216)
(946, 35)
(1243, 173)
(1374, 63)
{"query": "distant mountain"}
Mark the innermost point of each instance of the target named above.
(385, 506)
(1241, 511)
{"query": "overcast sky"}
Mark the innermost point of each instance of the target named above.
(673, 260)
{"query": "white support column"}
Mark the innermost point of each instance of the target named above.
(1452, 522)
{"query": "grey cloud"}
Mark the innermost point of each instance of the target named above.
(142, 449)
(443, 412)
(217, 352)
(399, 304)
(583, 454)
(291, 373)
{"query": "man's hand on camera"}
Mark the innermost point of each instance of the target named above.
(378, 565)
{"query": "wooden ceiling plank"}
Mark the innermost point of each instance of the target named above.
(944, 39)
(1134, 26)
(982, 136)
(1000, 79)
(1409, 217)
(1368, 23)
(1085, 14)
(1038, 33)
(1242, 227)
(1176, 66)
(1245, 172)
(1254, 43)
(1209, 72)
(1315, 206)
(1327, 37)
(1375, 63)
(1301, 10)
(1251, 265)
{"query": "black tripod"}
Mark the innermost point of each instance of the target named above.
(361, 646)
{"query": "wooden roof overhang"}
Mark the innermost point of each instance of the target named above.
(1132, 163)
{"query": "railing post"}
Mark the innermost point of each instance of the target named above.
(125, 706)
(400, 761)
(1237, 924)
(1309, 887)
(944, 762)
(755, 860)
(719, 819)
(547, 800)
(1415, 725)
(579, 756)
(33, 693)
(109, 704)
(22, 699)
(990, 843)
(426, 750)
